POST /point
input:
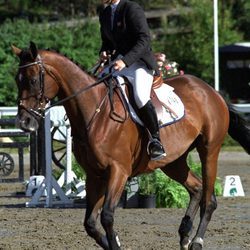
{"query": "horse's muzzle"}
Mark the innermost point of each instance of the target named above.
(27, 122)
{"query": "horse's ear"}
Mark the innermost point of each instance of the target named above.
(33, 50)
(16, 50)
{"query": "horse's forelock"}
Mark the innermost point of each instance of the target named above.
(26, 56)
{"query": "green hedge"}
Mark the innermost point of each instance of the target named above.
(80, 43)
(193, 49)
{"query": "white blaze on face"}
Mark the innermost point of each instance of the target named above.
(20, 77)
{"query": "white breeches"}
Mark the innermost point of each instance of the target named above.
(141, 79)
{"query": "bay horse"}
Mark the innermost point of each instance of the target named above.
(111, 151)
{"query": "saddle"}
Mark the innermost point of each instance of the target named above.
(157, 82)
(162, 106)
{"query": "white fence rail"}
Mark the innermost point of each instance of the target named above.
(8, 111)
(242, 107)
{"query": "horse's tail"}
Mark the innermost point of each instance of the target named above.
(238, 129)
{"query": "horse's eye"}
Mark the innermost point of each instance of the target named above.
(33, 81)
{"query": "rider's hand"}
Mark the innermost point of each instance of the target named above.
(119, 65)
(104, 56)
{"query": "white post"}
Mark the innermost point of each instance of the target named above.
(216, 47)
(48, 158)
(68, 170)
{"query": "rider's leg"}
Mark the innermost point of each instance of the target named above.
(142, 89)
(149, 118)
(141, 79)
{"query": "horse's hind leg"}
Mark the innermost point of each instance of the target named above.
(209, 158)
(180, 172)
(194, 188)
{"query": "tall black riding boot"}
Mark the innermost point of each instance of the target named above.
(148, 115)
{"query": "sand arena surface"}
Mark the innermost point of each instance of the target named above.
(154, 229)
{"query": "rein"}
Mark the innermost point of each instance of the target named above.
(101, 80)
(40, 112)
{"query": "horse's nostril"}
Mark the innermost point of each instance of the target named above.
(27, 121)
(24, 123)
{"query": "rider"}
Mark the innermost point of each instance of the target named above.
(125, 37)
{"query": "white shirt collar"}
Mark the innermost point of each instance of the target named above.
(114, 5)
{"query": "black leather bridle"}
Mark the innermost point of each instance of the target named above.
(39, 112)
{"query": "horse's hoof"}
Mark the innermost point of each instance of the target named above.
(195, 246)
(185, 244)
(104, 243)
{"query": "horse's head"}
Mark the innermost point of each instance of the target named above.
(33, 92)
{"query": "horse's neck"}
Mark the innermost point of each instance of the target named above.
(72, 79)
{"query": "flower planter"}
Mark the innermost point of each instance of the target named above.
(123, 200)
(147, 201)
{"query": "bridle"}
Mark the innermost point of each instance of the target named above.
(40, 111)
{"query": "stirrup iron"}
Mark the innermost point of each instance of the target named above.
(161, 152)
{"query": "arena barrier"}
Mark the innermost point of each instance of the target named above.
(8, 134)
(41, 186)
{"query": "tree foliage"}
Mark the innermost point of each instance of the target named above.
(192, 48)
(241, 15)
(80, 43)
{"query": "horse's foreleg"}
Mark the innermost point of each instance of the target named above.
(95, 190)
(208, 204)
(180, 172)
(115, 188)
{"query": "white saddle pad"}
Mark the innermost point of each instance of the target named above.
(172, 108)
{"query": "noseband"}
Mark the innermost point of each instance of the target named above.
(39, 112)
